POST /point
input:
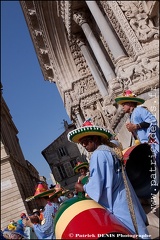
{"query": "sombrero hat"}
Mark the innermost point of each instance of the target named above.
(57, 191)
(128, 96)
(88, 129)
(65, 192)
(41, 191)
(81, 165)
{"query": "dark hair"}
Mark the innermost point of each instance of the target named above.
(46, 197)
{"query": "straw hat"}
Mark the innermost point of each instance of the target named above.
(81, 165)
(57, 191)
(128, 96)
(41, 191)
(88, 129)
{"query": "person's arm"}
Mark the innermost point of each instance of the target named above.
(143, 125)
(132, 127)
(94, 186)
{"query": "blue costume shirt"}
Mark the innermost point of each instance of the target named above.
(106, 186)
(46, 230)
(140, 114)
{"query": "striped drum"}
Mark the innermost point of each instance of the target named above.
(83, 218)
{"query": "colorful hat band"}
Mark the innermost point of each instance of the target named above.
(79, 133)
(82, 165)
(122, 99)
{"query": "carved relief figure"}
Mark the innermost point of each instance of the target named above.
(150, 67)
(143, 31)
(139, 71)
(109, 109)
(124, 76)
(139, 21)
(96, 115)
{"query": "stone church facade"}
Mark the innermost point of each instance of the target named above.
(93, 51)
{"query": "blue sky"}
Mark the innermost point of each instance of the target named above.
(35, 104)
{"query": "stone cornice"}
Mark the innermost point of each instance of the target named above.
(38, 38)
(49, 38)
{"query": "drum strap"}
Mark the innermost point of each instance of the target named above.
(119, 154)
(130, 202)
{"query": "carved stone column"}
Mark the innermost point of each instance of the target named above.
(106, 31)
(79, 18)
(92, 66)
(78, 116)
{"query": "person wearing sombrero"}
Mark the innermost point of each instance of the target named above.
(54, 198)
(82, 168)
(143, 124)
(105, 184)
(44, 230)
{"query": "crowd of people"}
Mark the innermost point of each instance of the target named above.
(103, 179)
(40, 223)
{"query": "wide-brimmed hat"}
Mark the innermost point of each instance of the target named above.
(65, 192)
(20, 230)
(88, 129)
(41, 191)
(57, 191)
(81, 165)
(128, 96)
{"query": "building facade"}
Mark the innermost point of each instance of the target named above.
(18, 176)
(93, 51)
(62, 156)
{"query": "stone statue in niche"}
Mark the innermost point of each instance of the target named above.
(96, 115)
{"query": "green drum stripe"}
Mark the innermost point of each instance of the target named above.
(66, 205)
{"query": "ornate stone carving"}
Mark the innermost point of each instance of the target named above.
(115, 18)
(43, 51)
(65, 11)
(47, 67)
(149, 67)
(95, 114)
(32, 12)
(122, 27)
(139, 20)
(79, 59)
(79, 17)
(38, 32)
(84, 102)
(141, 70)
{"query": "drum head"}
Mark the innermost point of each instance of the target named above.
(140, 162)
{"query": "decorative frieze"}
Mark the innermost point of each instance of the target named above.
(139, 20)
(122, 27)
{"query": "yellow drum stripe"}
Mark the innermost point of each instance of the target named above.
(71, 212)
